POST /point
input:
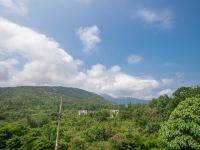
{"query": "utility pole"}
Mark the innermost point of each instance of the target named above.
(58, 126)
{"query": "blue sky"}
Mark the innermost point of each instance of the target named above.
(156, 42)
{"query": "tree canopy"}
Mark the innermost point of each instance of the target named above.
(182, 130)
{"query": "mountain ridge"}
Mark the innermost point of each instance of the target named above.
(124, 100)
(47, 98)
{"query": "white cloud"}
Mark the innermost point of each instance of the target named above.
(90, 37)
(133, 59)
(117, 83)
(166, 91)
(167, 81)
(14, 6)
(40, 58)
(7, 68)
(31, 58)
(151, 17)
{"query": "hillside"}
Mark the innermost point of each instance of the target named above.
(16, 102)
(125, 100)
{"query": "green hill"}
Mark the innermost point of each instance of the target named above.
(17, 102)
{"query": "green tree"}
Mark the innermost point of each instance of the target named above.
(181, 94)
(9, 135)
(160, 105)
(182, 130)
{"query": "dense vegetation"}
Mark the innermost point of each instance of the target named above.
(28, 120)
(182, 130)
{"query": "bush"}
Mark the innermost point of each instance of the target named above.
(96, 133)
(100, 115)
(125, 141)
(78, 143)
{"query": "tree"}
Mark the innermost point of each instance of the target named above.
(10, 135)
(182, 130)
(160, 105)
(181, 94)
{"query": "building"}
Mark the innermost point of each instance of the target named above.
(82, 112)
(113, 113)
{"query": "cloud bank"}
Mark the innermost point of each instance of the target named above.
(31, 58)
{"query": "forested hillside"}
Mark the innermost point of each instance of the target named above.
(17, 102)
(28, 120)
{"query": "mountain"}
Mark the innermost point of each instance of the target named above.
(34, 99)
(125, 100)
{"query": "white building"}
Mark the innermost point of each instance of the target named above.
(113, 113)
(82, 112)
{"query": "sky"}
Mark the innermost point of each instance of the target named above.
(123, 48)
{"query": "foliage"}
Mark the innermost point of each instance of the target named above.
(125, 141)
(182, 130)
(28, 120)
(9, 135)
(95, 133)
(100, 115)
(78, 143)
